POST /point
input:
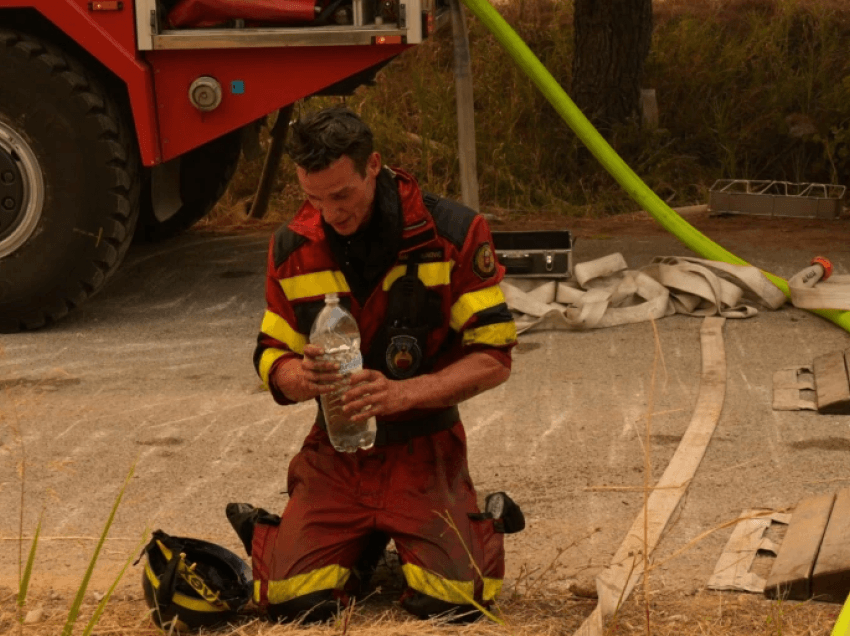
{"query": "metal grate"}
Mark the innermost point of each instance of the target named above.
(776, 198)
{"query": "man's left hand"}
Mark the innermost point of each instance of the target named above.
(373, 394)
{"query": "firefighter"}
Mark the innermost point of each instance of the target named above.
(420, 276)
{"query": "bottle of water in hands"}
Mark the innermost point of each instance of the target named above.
(336, 331)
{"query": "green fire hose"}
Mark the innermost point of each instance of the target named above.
(612, 162)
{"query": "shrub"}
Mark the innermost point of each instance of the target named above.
(751, 89)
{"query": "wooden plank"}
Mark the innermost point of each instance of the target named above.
(832, 384)
(732, 571)
(794, 389)
(791, 575)
(831, 578)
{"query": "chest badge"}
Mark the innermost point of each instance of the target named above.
(484, 261)
(403, 356)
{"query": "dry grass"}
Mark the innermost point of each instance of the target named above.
(546, 614)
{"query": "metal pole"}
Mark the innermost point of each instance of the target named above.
(358, 12)
(465, 110)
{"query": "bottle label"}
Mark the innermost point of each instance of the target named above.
(355, 364)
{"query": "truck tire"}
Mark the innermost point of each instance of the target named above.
(69, 173)
(180, 193)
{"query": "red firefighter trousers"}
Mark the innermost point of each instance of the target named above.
(418, 493)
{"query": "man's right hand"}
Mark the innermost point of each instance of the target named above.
(302, 379)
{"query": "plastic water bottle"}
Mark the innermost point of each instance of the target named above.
(336, 331)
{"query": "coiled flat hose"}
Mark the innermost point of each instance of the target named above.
(610, 160)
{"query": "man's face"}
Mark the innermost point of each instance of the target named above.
(342, 195)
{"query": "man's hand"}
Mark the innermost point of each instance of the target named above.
(305, 378)
(373, 394)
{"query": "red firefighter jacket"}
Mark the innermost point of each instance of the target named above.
(456, 259)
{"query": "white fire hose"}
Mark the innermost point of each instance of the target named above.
(605, 293)
(816, 288)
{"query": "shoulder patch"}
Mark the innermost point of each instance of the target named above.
(285, 242)
(452, 219)
(484, 262)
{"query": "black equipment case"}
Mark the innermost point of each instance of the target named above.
(535, 254)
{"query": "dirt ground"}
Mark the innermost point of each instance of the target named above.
(156, 370)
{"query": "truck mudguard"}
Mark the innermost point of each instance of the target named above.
(109, 36)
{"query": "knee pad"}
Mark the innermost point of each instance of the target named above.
(424, 606)
(314, 607)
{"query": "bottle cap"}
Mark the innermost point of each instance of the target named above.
(823, 262)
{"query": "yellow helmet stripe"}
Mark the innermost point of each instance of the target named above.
(330, 577)
(315, 284)
(165, 551)
(431, 274)
(421, 580)
(194, 604)
(276, 327)
(495, 335)
(471, 303)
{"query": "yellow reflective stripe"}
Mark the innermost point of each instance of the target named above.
(279, 329)
(496, 335)
(194, 604)
(492, 588)
(473, 302)
(315, 284)
(431, 274)
(266, 361)
(330, 577)
(421, 580)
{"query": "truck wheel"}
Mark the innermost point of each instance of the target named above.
(68, 183)
(180, 192)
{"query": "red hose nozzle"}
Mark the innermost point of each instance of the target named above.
(823, 262)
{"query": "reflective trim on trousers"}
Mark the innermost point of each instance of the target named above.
(330, 577)
(421, 580)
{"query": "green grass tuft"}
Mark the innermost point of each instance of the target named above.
(81, 592)
(27, 574)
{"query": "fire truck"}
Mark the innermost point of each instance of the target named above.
(127, 117)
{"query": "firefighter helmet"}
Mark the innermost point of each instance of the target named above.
(189, 583)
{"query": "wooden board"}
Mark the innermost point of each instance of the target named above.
(831, 578)
(794, 389)
(792, 571)
(732, 571)
(832, 384)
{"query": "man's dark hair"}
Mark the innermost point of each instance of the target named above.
(318, 139)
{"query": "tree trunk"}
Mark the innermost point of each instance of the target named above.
(612, 40)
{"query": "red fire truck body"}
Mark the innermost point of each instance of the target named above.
(106, 104)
